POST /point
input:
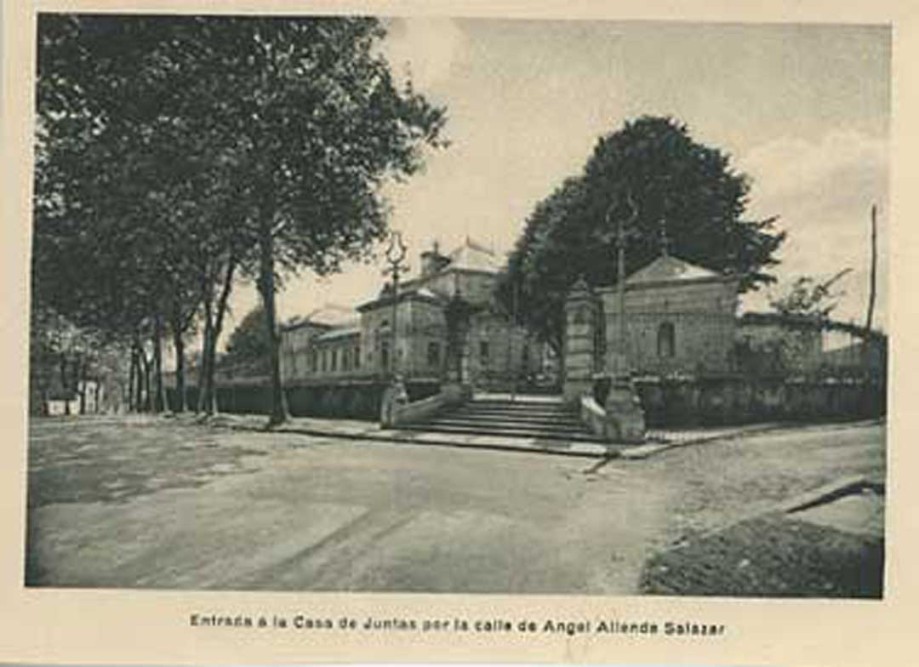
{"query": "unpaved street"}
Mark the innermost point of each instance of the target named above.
(149, 503)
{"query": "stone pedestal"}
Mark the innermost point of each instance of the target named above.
(394, 397)
(623, 410)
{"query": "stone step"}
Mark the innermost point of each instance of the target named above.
(507, 423)
(566, 420)
(518, 404)
(500, 410)
(508, 431)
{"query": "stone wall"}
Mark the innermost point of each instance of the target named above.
(674, 403)
(679, 328)
(351, 400)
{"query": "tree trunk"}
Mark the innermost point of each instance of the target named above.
(178, 342)
(132, 374)
(64, 392)
(139, 381)
(159, 399)
(81, 385)
(203, 375)
(145, 381)
(222, 301)
(278, 413)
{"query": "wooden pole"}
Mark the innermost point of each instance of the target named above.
(872, 285)
(872, 288)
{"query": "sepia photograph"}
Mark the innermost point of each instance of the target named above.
(458, 305)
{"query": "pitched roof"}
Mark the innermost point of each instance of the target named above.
(474, 257)
(331, 315)
(666, 269)
(343, 332)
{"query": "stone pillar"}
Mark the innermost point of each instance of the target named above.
(578, 342)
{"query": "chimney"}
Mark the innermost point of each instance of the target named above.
(432, 261)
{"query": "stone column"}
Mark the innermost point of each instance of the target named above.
(578, 342)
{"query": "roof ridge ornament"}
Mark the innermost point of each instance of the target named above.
(664, 239)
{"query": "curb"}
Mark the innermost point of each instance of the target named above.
(583, 450)
(829, 492)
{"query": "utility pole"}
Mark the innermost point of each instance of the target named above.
(872, 285)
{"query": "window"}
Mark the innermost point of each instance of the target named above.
(666, 340)
(334, 361)
(357, 356)
(314, 361)
(433, 354)
(384, 355)
(483, 352)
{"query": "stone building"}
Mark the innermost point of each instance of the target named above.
(680, 318)
(358, 344)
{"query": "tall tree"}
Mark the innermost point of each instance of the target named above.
(316, 124)
(675, 185)
(185, 151)
(134, 215)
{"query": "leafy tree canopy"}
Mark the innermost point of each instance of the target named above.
(666, 188)
(249, 344)
(809, 297)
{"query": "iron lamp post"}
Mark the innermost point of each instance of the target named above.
(395, 258)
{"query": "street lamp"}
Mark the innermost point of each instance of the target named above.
(621, 365)
(622, 405)
(395, 258)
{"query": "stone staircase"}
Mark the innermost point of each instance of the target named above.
(521, 417)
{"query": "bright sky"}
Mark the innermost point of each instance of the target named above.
(802, 109)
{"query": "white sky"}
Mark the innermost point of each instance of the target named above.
(802, 109)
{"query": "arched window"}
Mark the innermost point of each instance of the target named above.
(666, 340)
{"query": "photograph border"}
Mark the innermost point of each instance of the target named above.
(80, 626)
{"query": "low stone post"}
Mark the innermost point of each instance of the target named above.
(623, 410)
(395, 396)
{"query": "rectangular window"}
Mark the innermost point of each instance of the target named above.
(334, 360)
(357, 357)
(384, 355)
(483, 352)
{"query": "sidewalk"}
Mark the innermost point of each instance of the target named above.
(352, 429)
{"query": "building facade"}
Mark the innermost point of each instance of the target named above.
(482, 347)
(679, 318)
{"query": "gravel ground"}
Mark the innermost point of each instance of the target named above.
(159, 504)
